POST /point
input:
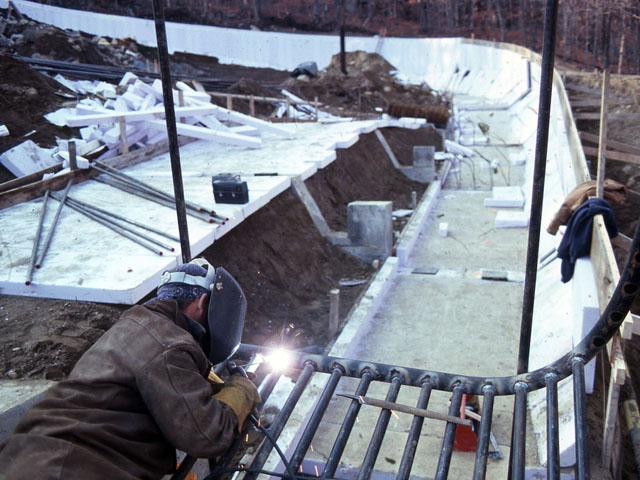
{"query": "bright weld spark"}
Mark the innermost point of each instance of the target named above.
(301, 471)
(280, 360)
(259, 422)
(297, 333)
(357, 420)
(246, 438)
(395, 414)
(291, 326)
(316, 468)
(311, 448)
(361, 399)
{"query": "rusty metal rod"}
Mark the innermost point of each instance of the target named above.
(111, 226)
(36, 240)
(52, 228)
(113, 171)
(166, 203)
(105, 219)
(399, 407)
(123, 219)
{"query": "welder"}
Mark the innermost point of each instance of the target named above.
(143, 389)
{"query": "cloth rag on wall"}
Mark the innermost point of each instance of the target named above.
(613, 191)
(576, 241)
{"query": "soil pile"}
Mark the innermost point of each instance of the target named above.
(368, 88)
(25, 96)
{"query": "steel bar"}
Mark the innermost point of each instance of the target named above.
(276, 428)
(404, 470)
(484, 434)
(316, 416)
(399, 407)
(124, 219)
(113, 227)
(47, 241)
(133, 191)
(170, 118)
(580, 418)
(442, 471)
(110, 170)
(36, 240)
(553, 433)
(347, 425)
(107, 220)
(519, 440)
(539, 169)
(378, 434)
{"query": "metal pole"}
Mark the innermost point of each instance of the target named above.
(170, 115)
(542, 140)
(414, 434)
(442, 471)
(343, 59)
(52, 228)
(484, 435)
(36, 240)
(553, 434)
(580, 419)
(519, 434)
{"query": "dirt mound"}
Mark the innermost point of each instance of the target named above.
(368, 88)
(25, 96)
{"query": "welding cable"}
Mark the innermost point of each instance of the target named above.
(214, 475)
(268, 436)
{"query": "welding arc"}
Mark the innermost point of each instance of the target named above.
(47, 241)
(110, 170)
(120, 229)
(36, 240)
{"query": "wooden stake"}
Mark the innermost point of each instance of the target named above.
(334, 311)
(229, 102)
(315, 106)
(123, 135)
(73, 162)
(602, 148)
(181, 102)
(414, 200)
(252, 106)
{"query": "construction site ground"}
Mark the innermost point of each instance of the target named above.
(42, 338)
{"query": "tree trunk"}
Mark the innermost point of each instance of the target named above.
(496, 5)
(472, 11)
(523, 23)
(371, 10)
(422, 15)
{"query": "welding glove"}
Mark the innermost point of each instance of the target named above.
(241, 395)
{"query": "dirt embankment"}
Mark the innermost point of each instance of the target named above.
(284, 265)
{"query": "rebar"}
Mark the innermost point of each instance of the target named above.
(36, 240)
(444, 461)
(414, 434)
(518, 442)
(553, 435)
(580, 418)
(47, 242)
(484, 434)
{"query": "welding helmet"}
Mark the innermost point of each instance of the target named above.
(227, 307)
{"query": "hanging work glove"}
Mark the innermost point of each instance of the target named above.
(241, 395)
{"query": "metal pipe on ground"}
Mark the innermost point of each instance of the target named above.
(539, 170)
(111, 226)
(170, 116)
(124, 219)
(129, 179)
(147, 196)
(47, 242)
(347, 425)
(36, 240)
(404, 470)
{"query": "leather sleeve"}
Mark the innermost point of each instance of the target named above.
(180, 401)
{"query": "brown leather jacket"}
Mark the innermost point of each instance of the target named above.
(134, 397)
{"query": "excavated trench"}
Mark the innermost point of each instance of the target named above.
(283, 263)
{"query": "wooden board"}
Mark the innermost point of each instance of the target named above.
(152, 113)
(613, 155)
(612, 116)
(623, 147)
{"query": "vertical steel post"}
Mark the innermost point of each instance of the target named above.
(343, 59)
(553, 434)
(484, 434)
(442, 471)
(542, 140)
(519, 434)
(170, 114)
(414, 434)
(580, 418)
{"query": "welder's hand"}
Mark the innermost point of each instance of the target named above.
(241, 395)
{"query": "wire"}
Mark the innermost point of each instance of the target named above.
(213, 475)
(268, 436)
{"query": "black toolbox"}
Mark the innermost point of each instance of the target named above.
(228, 188)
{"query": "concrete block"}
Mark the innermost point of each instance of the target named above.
(505, 197)
(443, 229)
(507, 219)
(370, 229)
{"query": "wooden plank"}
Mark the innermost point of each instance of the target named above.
(613, 116)
(300, 190)
(152, 113)
(225, 114)
(387, 148)
(611, 419)
(593, 102)
(602, 139)
(28, 192)
(204, 133)
(613, 155)
(27, 179)
(623, 147)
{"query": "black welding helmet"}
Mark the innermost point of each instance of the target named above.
(227, 307)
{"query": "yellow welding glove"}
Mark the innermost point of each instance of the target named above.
(241, 395)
